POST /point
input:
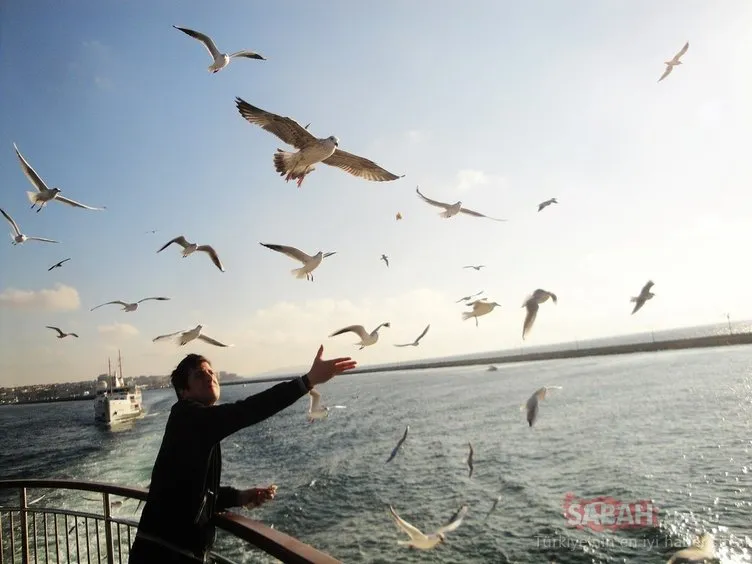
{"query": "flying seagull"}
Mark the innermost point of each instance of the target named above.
(426, 542)
(470, 460)
(44, 194)
(645, 295)
(532, 303)
(129, 306)
(315, 409)
(186, 336)
(416, 342)
(453, 209)
(60, 334)
(532, 404)
(673, 62)
(480, 307)
(311, 150)
(19, 237)
(398, 216)
(396, 449)
(366, 339)
(476, 267)
(467, 298)
(310, 263)
(703, 549)
(385, 259)
(58, 264)
(544, 205)
(495, 503)
(189, 248)
(221, 60)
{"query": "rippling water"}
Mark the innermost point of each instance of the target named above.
(672, 427)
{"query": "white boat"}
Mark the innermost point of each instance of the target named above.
(116, 402)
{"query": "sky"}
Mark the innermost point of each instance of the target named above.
(498, 104)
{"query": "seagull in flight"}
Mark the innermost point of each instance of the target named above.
(398, 216)
(470, 460)
(532, 303)
(385, 259)
(60, 334)
(416, 342)
(18, 237)
(453, 209)
(185, 337)
(544, 205)
(532, 404)
(366, 339)
(43, 193)
(396, 449)
(674, 62)
(316, 410)
(58, 264)
(495, 503)
(476, 267)
(129, 306)
(221, 60)
(311, 150)
(468, 298)
(423, 541)
(310, 263)
(189, 248)
(645, 295)
(480, 307)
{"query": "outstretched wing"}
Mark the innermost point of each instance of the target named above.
(430, 201)
(359, 166)
(30, 173)
(247, 55)
(291, 252)
(55, 329)
(412, 531)
(682, 51)
(532, 311)
(357, 329)
(478, 214)
(108, 303)
(208, 249)
(287, 129)
(169, 335)
(75, 204)
(155, 298)
(12, 222)
(423, 334)
(211, 341)
(203, 38)
(667, 72)
(646, 287)
(180, 240)
(454, 522)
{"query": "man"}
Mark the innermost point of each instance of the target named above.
(185, 493)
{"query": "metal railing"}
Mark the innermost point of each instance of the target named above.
(45, 534)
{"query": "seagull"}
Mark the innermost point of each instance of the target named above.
(475, 267)
(19, 237)
(470, 460)
(60, 334)
(385, 259)
(532, 404)
(189, 248)
(396, 449)
(44, 194)
(703, 549)
(495, 503)
(316, 410)
(453, 209)
(129, 306)
(532, 303)
(645, 295)
(58, 265)
(152, 231)
(426, 542)
(416, 342)
(398, 216)
(311, 150)
(673, 62)
(221, 60)
(547, 203)
(37, 500)
(480, 307)
(366, 339)
(467, 298)
(188, 335)
(310, 263)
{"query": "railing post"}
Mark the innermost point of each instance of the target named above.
(24, 529)
(108, 529)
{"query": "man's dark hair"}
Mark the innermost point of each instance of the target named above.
(179, 376)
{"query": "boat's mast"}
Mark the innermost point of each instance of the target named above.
(120, 365)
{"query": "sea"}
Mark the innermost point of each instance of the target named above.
(669, 432)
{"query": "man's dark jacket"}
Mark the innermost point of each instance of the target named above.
(185, 493)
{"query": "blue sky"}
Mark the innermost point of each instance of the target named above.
(499, 104)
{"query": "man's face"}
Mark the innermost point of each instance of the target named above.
(203, 385)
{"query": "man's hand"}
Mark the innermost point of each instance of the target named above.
(324, 370)
(256, 496)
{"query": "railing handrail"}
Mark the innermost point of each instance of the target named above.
(273, 542)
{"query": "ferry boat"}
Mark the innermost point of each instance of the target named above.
(116, 402)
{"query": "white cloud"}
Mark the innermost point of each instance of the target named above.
(118, 330)
(61, 298)
(470, 178)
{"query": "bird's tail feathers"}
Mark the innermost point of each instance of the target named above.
(298, 272)
(32, 196)
(467, 315)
